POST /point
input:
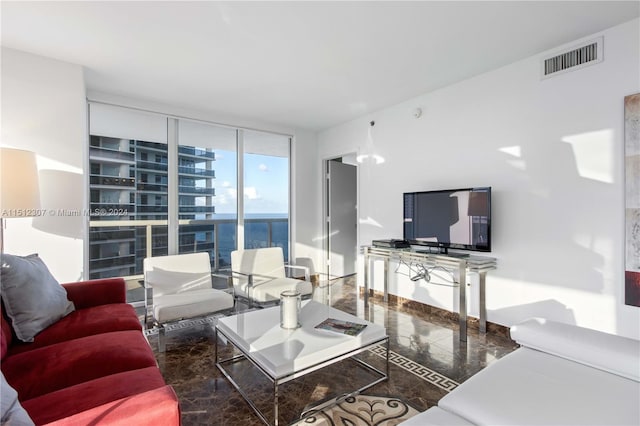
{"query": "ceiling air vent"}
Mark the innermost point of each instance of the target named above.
(583, 55)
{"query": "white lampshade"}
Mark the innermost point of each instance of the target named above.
(19, 189)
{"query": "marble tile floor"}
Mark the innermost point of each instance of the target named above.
(417, 340)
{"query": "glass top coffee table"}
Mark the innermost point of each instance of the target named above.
(283, 355)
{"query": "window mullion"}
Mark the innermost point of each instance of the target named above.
(172, 195)
(240, 190)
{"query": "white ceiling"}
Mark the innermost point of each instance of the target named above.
(300, 64)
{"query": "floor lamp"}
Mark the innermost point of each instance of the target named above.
(19, 189)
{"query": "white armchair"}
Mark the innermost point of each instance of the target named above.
(259, 275)
(181, 288)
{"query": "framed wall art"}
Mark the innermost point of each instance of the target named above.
(632, 199)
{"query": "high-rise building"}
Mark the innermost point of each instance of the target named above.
(129, 182)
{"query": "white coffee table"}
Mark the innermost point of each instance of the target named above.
(283, 355)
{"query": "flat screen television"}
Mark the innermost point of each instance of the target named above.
(449, 219)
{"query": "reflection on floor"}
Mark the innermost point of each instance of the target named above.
(417, 340)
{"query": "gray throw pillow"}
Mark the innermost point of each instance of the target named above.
(32, 298)
(11, 411)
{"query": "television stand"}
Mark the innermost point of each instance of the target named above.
(463, 264)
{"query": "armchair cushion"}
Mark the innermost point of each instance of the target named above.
(266, 268)
(171, 307)
(176, 274)
(268, 290)
(32, 297)
(266, 262)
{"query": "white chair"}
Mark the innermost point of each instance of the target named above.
(182, 288)
(259, 275)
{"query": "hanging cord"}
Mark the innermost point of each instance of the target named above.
(419, 271)
(422, 274)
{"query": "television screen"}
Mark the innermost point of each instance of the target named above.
(457, 219)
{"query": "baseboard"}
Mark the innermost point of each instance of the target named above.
(473, 323)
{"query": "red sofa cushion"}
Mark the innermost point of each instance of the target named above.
(103, 291)
(6, 334)
(156, 407)
(85, 396)
(83, 323)
(50, 368)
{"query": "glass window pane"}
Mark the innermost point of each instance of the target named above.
(128, 182)
(207, 190)
(266, 190)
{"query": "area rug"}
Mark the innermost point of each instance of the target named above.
(362, 410)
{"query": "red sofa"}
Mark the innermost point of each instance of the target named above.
(94, 366)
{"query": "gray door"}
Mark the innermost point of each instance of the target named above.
(342, 220)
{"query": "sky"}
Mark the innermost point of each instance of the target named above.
(266, 183)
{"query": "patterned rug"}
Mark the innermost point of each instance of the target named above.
(362, 410)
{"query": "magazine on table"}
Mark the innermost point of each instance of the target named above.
(340, 326)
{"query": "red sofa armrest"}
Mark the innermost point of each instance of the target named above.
(85, 294)
(155, 407)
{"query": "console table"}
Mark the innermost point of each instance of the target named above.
(471, 263)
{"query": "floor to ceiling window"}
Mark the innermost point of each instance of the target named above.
(266, 190)
(128, 190)
(207, 207)
(161, 185)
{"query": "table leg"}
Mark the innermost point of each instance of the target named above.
(387, 360)
(483, 303)
(275, 403)
(386, 279)
(367, 266)
(463, 303)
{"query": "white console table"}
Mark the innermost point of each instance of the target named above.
(471, 263)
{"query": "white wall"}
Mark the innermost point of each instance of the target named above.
(307, 191)
(553, 152)
(44, 111)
